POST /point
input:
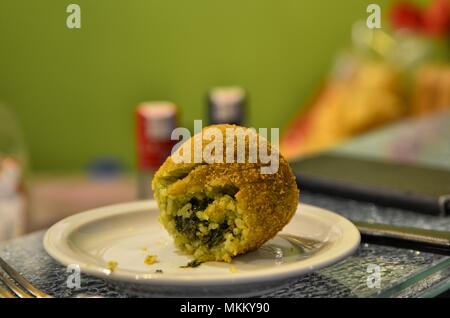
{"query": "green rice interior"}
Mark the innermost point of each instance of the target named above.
(206, 224)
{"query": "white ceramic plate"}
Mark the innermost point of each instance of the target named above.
(128, 233)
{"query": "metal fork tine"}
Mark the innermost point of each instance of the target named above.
(13, 287)
(6, 294)
(30, 289)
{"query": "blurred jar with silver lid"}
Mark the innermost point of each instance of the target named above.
(226, 105)
(13, 160)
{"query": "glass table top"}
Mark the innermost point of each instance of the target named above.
(373, 271)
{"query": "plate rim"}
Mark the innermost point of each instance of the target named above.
(60, 230)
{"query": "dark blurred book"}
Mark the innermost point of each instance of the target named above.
(406, 165)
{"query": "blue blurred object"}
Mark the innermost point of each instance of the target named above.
(105, 168)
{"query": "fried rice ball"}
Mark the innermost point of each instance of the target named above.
(216, 211)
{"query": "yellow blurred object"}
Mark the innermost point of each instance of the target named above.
(369, 96)
(431, 90)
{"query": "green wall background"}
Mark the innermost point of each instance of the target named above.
(74, 91)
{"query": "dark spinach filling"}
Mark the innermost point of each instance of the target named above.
(194, 263)
(188, 226)
(199, 205)
(216, 236)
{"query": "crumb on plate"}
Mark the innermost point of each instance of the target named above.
(112, 265)
(233, 269)
(192, 264)
(151, 259)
